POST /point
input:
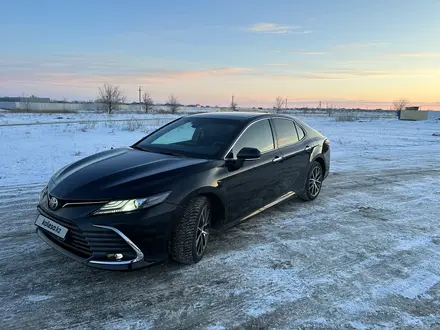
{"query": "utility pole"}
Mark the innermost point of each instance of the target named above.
(140, 102)
(286, 104)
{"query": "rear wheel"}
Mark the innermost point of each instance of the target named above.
(191, 233)
(313, 182)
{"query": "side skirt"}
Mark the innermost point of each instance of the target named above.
(275, 202)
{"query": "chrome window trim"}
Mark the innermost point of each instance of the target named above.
(139, 254)
(244, 130)
(303, 130)
(294, 123)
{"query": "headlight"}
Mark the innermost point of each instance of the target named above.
(132, 204)
(43, 192)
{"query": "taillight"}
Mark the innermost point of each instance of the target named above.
(326, 145)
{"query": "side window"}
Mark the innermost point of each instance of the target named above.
(286, 132)
(258, 135)
(300, 132)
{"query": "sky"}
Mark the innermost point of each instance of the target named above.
(345, 53)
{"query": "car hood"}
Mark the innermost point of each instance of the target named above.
(120, 173)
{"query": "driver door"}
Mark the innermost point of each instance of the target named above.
(256, 183)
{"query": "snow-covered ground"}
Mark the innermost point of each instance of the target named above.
(30, 154)
(22, 118)
(364, 255)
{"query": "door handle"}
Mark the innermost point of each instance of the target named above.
(308, 148)
(277, 159)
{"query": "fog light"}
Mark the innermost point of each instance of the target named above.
(115, 256)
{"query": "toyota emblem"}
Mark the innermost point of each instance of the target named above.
(53, 203)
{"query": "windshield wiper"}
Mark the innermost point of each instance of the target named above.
(139, 148)
(169, 153)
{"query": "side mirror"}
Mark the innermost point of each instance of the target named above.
(248, 153)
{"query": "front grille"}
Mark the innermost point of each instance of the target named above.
(98, 243)
(74, 241)
(107, 241)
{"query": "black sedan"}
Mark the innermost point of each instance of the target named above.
(130, 207)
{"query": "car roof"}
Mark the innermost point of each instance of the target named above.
(241, 116)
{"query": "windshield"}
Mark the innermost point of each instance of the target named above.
(193, 137)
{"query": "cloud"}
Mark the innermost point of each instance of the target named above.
(368, 44)
(360, 45)
(346, 74)
(359, 73)
(276, 29)
(354, 46)
(321, 77)
(147, 77)
(418, 54)
(187, 74)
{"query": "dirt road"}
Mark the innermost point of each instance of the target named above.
(366, 254)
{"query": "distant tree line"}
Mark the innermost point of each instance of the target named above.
(112, 96)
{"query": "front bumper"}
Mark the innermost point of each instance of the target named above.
(109, 265)
(141, 237)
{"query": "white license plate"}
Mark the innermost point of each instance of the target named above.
(51, 226)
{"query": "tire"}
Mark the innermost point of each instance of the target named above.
(191, 231)
(313, 184)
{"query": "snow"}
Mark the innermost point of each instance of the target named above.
(365, 255)
(24, 118)
(38, 298)
(30, 154)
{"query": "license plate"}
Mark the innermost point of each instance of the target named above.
(51, 226)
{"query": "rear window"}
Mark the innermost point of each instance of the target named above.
(286, 132)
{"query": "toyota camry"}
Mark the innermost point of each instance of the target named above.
(131, 207)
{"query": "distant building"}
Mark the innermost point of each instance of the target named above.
(24, 99)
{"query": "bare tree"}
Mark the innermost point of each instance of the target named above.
(172, 103)
(147, 102)
(279, 103)
(25, 102)
(111, 96)
(400, 104)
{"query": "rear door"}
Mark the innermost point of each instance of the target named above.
(294, 152)
(256, 183)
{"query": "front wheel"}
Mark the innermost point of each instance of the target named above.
(313, 182)
(190, 235)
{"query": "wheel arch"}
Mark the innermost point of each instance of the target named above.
(321, 161)
(218, 203)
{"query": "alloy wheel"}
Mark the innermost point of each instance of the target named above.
(203, 230)
(315, 181)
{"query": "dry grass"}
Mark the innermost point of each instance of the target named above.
(86, 125)
(41, 111)
(346, 118)
(132, 125)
